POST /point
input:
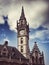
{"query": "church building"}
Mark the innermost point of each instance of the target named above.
(21, 55)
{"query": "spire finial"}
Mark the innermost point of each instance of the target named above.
(22, 13)
(35, 44)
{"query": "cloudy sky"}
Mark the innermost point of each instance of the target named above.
(37, 15)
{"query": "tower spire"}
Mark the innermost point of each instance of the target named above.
(22, 14)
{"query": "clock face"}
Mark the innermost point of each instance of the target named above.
(22, 32)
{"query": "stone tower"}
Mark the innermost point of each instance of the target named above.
(36, 56)
(23, 35)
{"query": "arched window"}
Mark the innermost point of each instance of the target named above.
(36, 59)
(36, 54)
(40, 60)
(33, 59)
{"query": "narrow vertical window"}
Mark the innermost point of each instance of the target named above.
(21, 40)
(21, 48)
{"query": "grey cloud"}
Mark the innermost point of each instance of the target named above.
(12, 7)
(5, 2)
(46, 23)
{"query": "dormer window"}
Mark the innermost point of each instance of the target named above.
(4, 51)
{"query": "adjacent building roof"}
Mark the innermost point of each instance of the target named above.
(12, 51)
